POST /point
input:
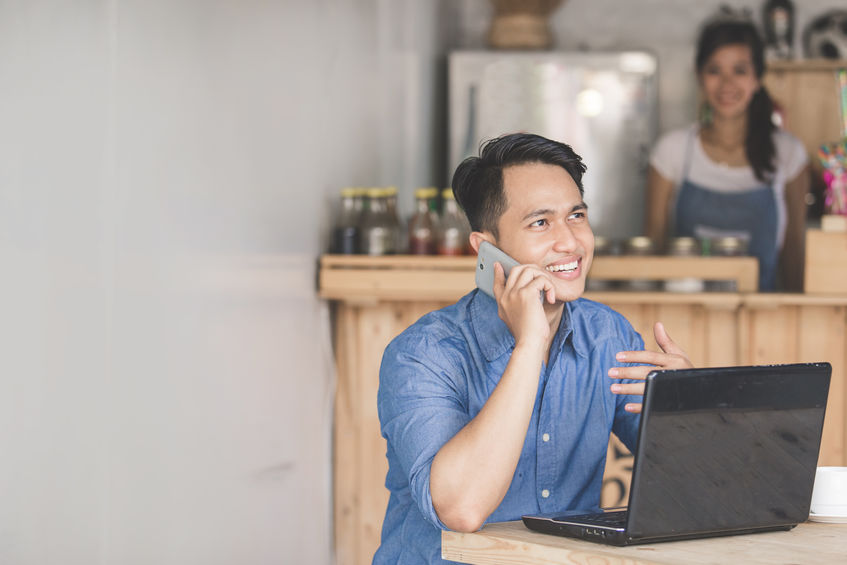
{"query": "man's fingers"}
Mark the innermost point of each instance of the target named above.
(628, 388)
(651, 357)
(637, 372)
(664, 340)
(499, 280)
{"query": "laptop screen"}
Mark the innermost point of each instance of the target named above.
(727, 448)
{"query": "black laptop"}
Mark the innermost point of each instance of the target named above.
(721, 451)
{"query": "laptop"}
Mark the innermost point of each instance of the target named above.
(721, 451)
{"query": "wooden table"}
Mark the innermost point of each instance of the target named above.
(512, 542)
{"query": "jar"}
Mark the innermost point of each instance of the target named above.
(727, 246)
(423, 225)
(640, 246)
(684, 247)
(603, 246)
(378, 229)
(454, 230)
(394, 219)
(345, 234)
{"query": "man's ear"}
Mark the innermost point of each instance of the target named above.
(477, 237)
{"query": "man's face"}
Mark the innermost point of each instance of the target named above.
(546, 224)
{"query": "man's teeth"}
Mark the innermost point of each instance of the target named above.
(566, 267)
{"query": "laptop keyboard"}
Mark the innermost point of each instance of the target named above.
(616, 519)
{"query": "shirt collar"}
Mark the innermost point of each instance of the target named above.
(492, 333)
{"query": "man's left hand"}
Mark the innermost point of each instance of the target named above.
(671, 357)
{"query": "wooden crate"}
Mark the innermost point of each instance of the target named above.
(826, 262)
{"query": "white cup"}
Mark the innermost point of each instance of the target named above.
(829, 497)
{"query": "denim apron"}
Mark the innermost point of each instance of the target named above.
(750, 214)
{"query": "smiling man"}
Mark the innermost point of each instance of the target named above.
(495, 408)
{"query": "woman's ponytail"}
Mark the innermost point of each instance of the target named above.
(761, 151)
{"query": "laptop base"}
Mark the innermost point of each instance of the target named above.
(618, 537)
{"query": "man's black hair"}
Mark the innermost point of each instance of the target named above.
(478, 181)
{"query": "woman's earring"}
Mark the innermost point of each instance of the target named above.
(705, 114)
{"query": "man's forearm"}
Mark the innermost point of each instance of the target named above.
(472, 472)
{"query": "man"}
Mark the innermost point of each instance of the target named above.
(494, 408)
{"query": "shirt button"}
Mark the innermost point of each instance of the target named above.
(545, 493)
(545, 437)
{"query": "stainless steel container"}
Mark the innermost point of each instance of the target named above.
(726, 246)
(685, 247)
(603, 246)
(641, 246)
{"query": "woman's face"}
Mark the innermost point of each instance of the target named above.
(729, 80)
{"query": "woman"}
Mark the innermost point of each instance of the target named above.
(734, 173)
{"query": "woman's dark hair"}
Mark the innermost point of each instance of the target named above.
(478, 181)
(759, 145)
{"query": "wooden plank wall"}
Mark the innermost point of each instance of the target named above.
(755, 331)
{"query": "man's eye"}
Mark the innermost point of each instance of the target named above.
(577, 216)
(538, 223)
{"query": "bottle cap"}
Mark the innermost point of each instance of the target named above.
(426, 192)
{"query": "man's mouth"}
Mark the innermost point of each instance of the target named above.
(564, 267)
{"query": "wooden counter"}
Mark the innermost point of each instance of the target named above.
(512, 542)
(375, 298)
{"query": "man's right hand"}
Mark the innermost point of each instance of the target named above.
(519, 305)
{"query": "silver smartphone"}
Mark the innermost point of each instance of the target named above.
(486, 257)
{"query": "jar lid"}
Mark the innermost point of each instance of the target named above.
(729, 244)
(447, 194)
(639, 244)
(602, 245)
(684, 246)
(348, 192)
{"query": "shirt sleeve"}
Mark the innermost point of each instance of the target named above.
(792, 155)
(668, 155)
(421, 407)
(626, 423)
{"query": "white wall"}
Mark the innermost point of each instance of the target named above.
(165, 173)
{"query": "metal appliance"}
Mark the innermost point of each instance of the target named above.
(602, 104)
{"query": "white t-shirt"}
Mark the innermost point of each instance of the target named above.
(669, 156)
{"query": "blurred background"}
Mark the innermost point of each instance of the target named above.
(168, 171)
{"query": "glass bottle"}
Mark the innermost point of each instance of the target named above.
(422, 224)
(345, 235)
(377, 228)
(394, 217)
(454, 229)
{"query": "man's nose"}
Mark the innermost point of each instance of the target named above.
(565, 238)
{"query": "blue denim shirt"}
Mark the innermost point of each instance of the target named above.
(436, 376)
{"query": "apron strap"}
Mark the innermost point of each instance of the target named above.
(686, 167)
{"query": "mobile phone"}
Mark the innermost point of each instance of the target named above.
(487, 255)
